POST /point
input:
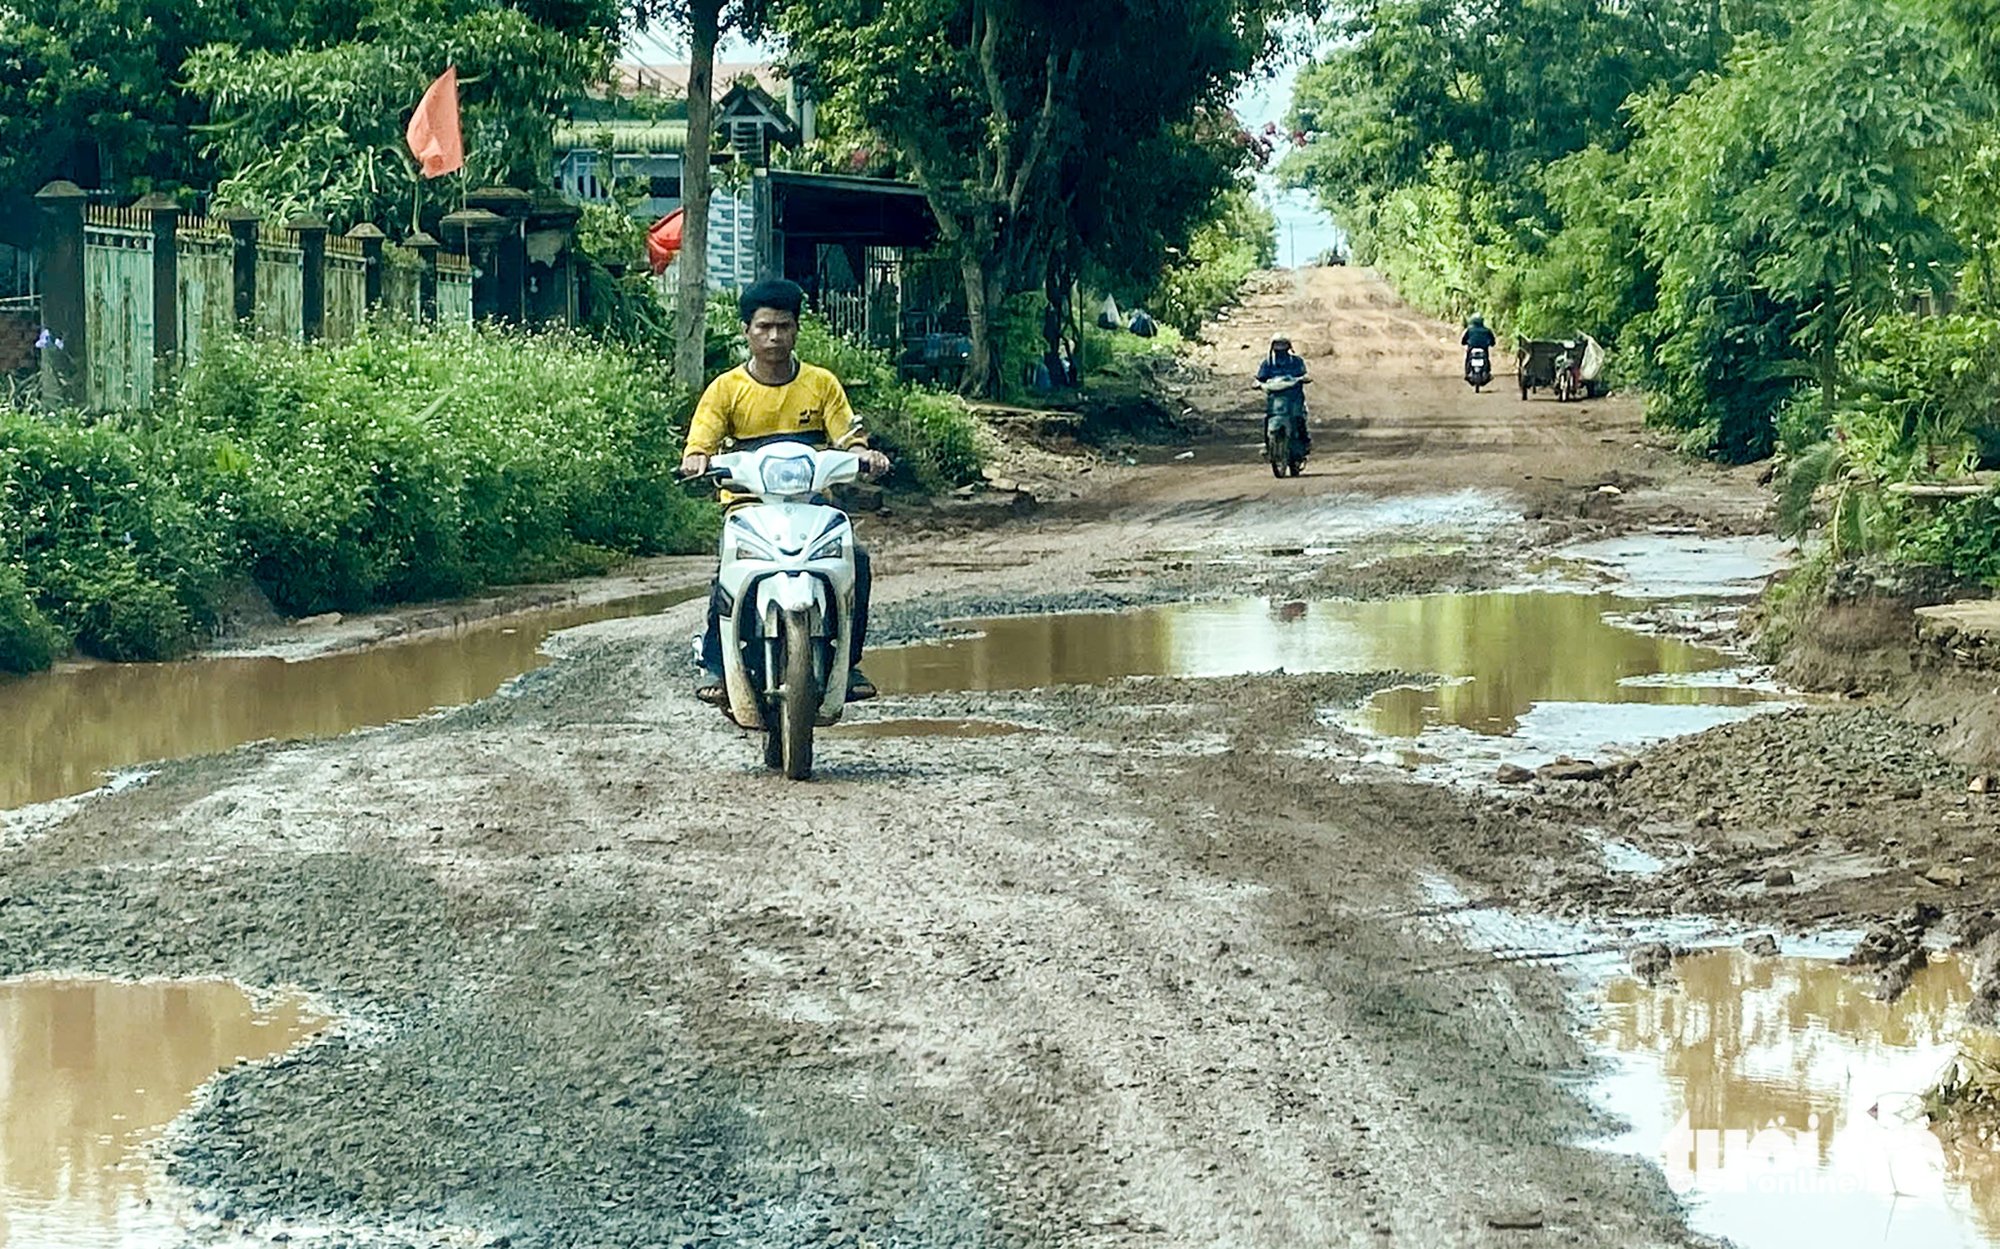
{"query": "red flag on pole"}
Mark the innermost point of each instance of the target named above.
(433, 133)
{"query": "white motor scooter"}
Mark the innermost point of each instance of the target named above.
(788, 596)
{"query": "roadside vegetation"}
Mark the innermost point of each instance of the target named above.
(1812, 282)
(408, 464)
(1239, 237)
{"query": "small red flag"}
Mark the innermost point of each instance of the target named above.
(663, 240)
(433, 133)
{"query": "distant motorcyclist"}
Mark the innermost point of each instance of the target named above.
(1477, 335)
(1478, 343)
(1292, 403)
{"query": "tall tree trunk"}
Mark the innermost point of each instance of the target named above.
(691, 304)
(982, 370)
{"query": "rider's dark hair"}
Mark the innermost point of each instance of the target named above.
(777, 294)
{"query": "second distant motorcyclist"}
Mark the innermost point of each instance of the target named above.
(1292, 403)
(1478, 342)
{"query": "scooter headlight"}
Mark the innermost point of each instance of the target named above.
(832, 548)
(791, 475)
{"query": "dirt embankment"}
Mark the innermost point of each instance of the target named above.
(1159, 971)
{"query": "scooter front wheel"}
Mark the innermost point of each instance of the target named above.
(798, 700)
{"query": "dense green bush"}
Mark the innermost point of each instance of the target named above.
(1921, 403)
(410, 463)
(1240, 238)
(1961, 535)
(27, 640)
(932, 435)
(1922, 394)
(1116, 351)
(418, 463)
(120, 549)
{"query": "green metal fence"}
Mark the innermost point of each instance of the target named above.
(130, 292)
(118, 308)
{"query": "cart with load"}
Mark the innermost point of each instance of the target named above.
(1571, 367)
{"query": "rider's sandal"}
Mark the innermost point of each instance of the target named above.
(859, 688)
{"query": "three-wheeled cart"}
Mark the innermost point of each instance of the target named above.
(1571, 367)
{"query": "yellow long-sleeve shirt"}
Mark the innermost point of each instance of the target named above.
(737, 405)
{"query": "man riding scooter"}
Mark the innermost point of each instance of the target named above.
(775, 395)
(1478, 342)
(1291, 403)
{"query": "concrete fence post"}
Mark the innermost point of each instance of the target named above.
(165, 217)
(312, 275)
(242, 225)
(426, 249)
(510, 248)
(371, 239)
(59, 265)
(479, 232)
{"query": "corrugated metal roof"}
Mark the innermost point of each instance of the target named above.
(624, 137)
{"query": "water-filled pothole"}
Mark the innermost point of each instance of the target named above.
(60, 732)
(1503, 654)
(90, 1071)
(1781, 1100)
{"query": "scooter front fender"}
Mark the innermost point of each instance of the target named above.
(789, 592)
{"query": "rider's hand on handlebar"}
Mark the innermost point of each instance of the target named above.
(873, 463)
(693, 465)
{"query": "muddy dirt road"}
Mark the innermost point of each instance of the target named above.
(1158, 972)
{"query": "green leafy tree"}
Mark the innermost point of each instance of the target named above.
(1238, 239)
(1002, 110)
(704, 21)
(1504, 84)
(1590, 272)
(90, 91)
(1131, 236)
(1762, 215)
(1968, 202)
(99, 90)
(321, 128)
(1436, 132)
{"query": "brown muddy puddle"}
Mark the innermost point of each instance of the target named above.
(1781, 1101)
(90, 1072)
(1503, 654)
(61, 731)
